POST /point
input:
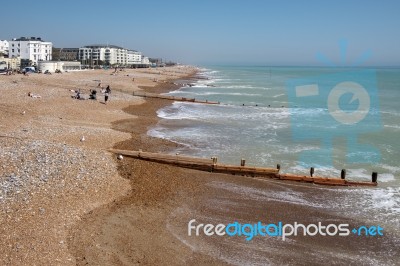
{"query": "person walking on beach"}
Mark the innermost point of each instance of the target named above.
(107, 93)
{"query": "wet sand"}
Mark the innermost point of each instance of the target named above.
(150, 224)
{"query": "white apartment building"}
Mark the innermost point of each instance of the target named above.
(4, 47)
(31, 48)
(103, 54)
(134, 57)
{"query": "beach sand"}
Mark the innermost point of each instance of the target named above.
(69, 202)
(50, 178)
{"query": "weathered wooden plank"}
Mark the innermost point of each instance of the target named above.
(211, 166)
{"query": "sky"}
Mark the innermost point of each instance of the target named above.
(269, 32)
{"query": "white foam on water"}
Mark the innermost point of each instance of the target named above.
(319, 170)
(392, 169)
(215, 93)
(179, 91)
(386, 177)
(173, 114)
(307, 112)
(393, 113)
(221, 113)
(387, 199)
(392, 126)
(200, 85)
(288, 196)
(378, 205)
(296, 148)
(204, 69)
(212, 72)
(358, 174)
(241, 87)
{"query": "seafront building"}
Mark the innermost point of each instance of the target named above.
(111, 55)
(32, 49)
(134, 58)
(29, 51)
(100, 54)
(65, 54)
(63, 66)
(13, 63)
(4, 44)
(158, 62)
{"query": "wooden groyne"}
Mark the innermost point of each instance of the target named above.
(172, 98)
(212, 165)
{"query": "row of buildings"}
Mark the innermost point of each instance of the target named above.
(33, 50)
(103, 54)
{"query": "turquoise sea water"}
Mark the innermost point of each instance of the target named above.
(256, 121)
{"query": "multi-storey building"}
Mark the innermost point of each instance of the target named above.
(4, 47)
(103, 54)
(65, 54)
(134, 58)
(31, 48)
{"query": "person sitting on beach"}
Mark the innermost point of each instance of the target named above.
(93, 94)
(77, 94)
(30, 94)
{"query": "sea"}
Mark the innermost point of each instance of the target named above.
(298, 117)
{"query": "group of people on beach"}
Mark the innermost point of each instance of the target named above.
(93, 94)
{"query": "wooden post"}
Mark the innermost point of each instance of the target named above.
(242, 162)
(311, 171)
(343, 174)
(374, 177)
(278, 166)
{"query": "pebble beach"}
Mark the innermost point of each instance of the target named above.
(54, 161)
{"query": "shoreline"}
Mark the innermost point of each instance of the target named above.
(153, 198)
(147, 194)
(164, 198)
(100, 210)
